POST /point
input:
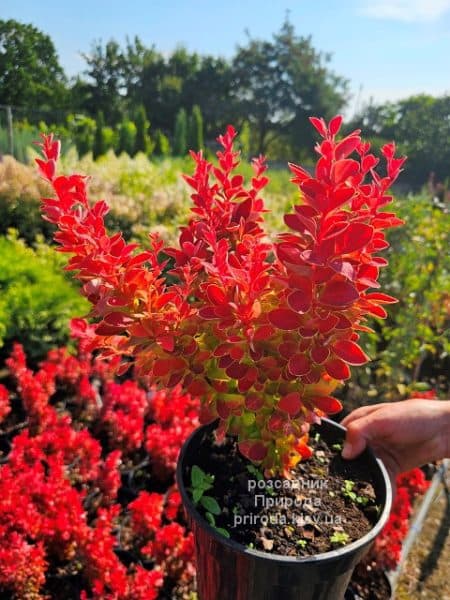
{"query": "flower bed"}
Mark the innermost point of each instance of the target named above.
(88, 508)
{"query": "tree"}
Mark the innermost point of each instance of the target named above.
(162, 145)
(244, 140)
(30, 73)
(105, 91)
(127, 137)
(195, 133)
(421, 126)
(279, 83)
(99, 139)
(143, 141)
(180, 136)
(210, 87)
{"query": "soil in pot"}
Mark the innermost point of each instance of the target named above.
(328, 503)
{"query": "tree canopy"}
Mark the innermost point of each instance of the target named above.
(279, 83)
(30, 73)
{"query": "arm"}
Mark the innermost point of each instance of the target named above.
(403, 434)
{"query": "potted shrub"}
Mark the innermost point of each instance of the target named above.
(263, 331)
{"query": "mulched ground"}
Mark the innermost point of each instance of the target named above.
(426, 572)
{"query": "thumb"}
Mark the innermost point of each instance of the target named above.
(355, 440)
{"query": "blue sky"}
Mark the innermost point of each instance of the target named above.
(388, 49)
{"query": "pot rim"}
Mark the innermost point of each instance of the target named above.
(279, 558)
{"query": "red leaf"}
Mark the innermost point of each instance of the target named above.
(215, 294)
(346, 146)
(376, 310)
(123, 368)
(198, 387)
(335, 124)
(47, 168)
(327, 324)
(207, 313)
(380, 298)
(337, 368)
(339, 293)
(287, 349)
(254, 401)
(304, 450)
(285, 319)
(236, 353)
(355, 237)
(288, 253)
(328, 404)
(163, 366)
(263, 332)
(319, 124)
(236, 370)
(167, 342)
(291, 403)
(300, 173)
(254, 450)
(343, 169)
(222, 350)
(299, 364)
(333, 227)
(301, 224)
(276, 421)
(319, 354)
(350, 352)
(300, 301)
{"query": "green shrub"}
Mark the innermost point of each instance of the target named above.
(143, 142)
(99, 148)
(82, 130)
(416, 335)
(180, 135)
(20, 191)
(195, 137)
(162, 144)
(127, 137)
(36, 300)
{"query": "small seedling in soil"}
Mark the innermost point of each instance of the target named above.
(255, 472)
(302, 543)
(337, 447)
(348, 492)
(339, 537)
(201, 482)
(317, 437)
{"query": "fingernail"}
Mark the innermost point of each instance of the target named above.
(347, 450)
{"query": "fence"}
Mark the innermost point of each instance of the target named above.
(20, 127)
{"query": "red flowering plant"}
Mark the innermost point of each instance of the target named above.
(73, 498)
(263, 331)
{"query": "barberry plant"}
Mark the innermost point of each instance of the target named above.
(263, 331)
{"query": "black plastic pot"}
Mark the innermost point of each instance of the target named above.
(227, 570)
(381, 582)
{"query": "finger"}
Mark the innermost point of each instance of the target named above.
(361, 432)
(362, 411)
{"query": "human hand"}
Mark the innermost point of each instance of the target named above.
(403, 435)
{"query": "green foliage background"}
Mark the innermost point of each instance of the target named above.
(36, 300)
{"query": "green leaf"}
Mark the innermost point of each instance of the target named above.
(197, 493)
(222, 531)
(197, 477)
(211, 505)
(211, 520)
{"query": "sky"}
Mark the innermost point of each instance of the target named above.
(387, 49)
